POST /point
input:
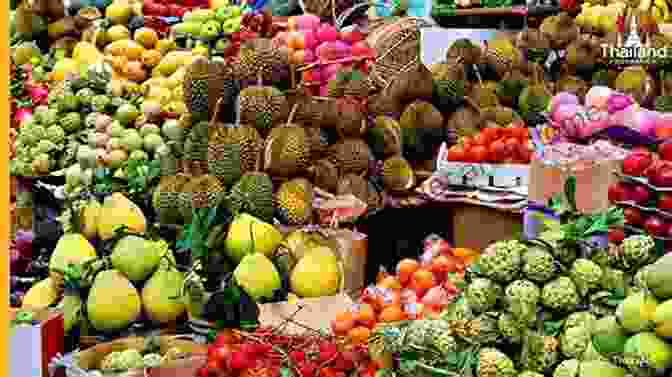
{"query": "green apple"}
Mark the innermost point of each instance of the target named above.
(232, 25)
(236, 11)
(210, 30)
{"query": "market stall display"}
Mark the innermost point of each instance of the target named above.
(203, 171)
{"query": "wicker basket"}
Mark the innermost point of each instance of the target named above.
(85, 361)
(397, 45)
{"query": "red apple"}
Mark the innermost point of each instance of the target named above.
(636, 163)
(665, 150)
(362, 49)
(619, 192)
(668, 233)
(640, 194)
(616, 235)
(665, 202)
(655, 226)
(633, 216)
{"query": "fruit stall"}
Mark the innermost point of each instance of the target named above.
(287, 189)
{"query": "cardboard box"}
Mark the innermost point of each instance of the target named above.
(36, 337)
(593, 179)
(312, 313)
(476, 227)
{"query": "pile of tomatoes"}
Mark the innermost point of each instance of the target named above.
(510, 145)
(419, 289)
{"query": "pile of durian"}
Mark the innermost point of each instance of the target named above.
(546, 308)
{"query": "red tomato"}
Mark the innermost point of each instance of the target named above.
(512, 145)
(492, 133)
(480, 139)
(498, 151)
(525, 153)
(219, 354)
(478, 153)
(214, 365)
(467, 142)
(456, 153)
(522, 133)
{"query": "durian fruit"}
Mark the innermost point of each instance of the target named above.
(166, 196)
(259, 57)
(262, 106)
(636, 82)
(449, 81)
(535, 45)
(464, 49)
(351, 117)
(500, 115)
(319, 140)
(560, 30)
(196, 147)
(483, 96)
(572, 84)
(224, 160)
(361, 188)
(195, 87)
(421, 129)
(664, 101)
(398, 175)
(250, 142)
(581, 57)
(502, 55)
(384, 137)
(294, 201)
(324, 174)
(200, 192)
(350, 156)
(222, 86)
(253, 194)
(533, 100)
(287, 151)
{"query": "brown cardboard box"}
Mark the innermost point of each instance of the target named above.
(475, 227)
(312, 313)
(592, 182)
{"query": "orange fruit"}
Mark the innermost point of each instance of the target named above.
(390, 282)
(467, 255)
(423, 279)
(359, 335)
(343, 322)
(405, 269)
(392, 313)
(365, 313)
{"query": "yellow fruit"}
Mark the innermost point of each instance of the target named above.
(118, 12)
(151, 58)
(257, 276)
(136, 257)
(637, 312)
(117, 33)
(161, 295)
(146, 37)
(64, 67)
(71, 305)
(71, 248)
(248, 235)
(118, 211)
(663, 319)
(86, 53)
(165, 45)
(113, 302)
(201, 51)
(128, 48)
(89, 217)
(41, 295)
(317, 274)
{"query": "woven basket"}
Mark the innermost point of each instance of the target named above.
(84, 362)
(397, 45)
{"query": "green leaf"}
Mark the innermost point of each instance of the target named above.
(600, 225)
(212, 215)
(286, 372)
(552, 328)
(570, 192)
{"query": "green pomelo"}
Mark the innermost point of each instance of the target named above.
(655, 351)
(113, 302)
(136, 257)
(636, 312)
(317, 274)
(257, 276)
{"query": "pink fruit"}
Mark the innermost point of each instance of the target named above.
(665, 202)
(655, 226)
(661, 174)
(640, 194)
(619, 192)
(636, 163)
(23, 115)
(362, 49)
(327, 33)
(310, 40)
(324, 91)
(308, 56)
(38, 95)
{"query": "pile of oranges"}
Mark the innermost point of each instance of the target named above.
(419, 289)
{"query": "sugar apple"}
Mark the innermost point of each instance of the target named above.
(492, 362)
(509, 328)
(586, 274)
(574, 341)
(638, 249)
(482, 294)
(522, 297)
(567, 368)
(580, 319)
(131, 359)
(501, 261)
(538, 265)
(560, 294)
